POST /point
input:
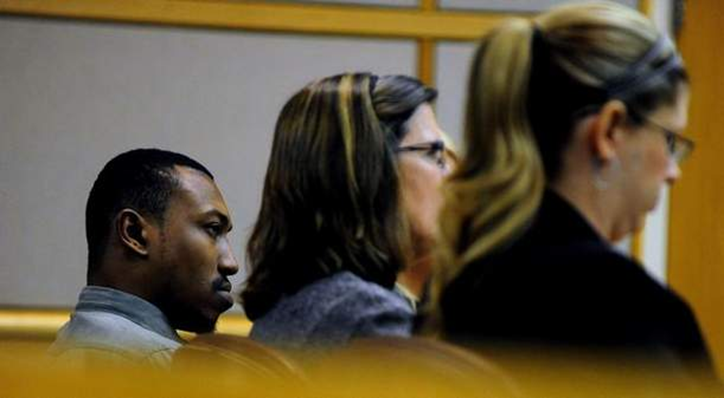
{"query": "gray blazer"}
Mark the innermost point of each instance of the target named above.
(332, 311)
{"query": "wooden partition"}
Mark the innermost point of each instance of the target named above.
(42, 324)
(696, 250)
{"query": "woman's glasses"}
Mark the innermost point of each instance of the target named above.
(434, 151)
(679, 147)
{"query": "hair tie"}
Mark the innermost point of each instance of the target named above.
(639, 73)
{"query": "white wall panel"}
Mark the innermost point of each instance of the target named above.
(73, 95)
(451, 77)
(656, 234)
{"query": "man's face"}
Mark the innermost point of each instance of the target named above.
(195, 258)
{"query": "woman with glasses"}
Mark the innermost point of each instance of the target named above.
(350, 201)
(575, 121)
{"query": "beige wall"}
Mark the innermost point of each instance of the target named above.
(72, 95)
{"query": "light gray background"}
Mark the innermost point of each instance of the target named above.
(451, 76)
(73, 95)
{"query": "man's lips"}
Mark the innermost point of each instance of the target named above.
(222, 285)
(225, 287)
(223, 290)
(226, 295)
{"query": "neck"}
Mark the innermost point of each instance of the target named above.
(415, 277)
(591, 203)
(124, 279)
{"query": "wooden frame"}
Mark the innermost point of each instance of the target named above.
(42, 324)
(424, 23)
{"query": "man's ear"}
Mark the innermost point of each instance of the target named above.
(133, 231)
(606, 130)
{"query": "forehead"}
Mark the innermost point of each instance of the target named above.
(422, 126)
(674, 116)
(197, 193)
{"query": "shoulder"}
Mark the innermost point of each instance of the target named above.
(354, 294)
(597, 265)
(334, 310)
(98, 333)
(343, 291)
(583, 289)
(597, 274)
(547, 279)
(363, 309)
(585, 261)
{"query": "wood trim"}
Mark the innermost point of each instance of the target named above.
(44, 323)
(426, 61)
(646, 7)
(36, 323)
(637, 245)
(426, 48)
(428, 5)
(270, 17)
(637, 239)
(696, 222)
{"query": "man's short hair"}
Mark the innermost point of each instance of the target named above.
(141, 179)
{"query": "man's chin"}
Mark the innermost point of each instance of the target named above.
(197, 325)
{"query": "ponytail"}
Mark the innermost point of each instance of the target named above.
(516, 132)
(494, 194)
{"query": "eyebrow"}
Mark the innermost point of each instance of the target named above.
(223, 218)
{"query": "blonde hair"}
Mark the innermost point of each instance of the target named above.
(514, 138)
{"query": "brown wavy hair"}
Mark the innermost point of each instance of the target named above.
(331, 199)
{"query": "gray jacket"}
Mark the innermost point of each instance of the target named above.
(112, 325)
(332, 311)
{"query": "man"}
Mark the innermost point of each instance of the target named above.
(158, 260)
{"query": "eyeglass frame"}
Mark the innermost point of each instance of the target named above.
(438, 146)
(673, 139)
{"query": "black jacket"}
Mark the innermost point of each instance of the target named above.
(561, 285)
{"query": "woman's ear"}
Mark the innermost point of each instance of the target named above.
(606, 131)
(133, 230)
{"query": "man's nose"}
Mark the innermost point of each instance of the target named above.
(227, 260)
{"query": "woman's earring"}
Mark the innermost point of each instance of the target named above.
(600, 181)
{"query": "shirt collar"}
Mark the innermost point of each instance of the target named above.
(129, 306)
(411, 298)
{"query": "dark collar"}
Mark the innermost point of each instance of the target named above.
(558, 221)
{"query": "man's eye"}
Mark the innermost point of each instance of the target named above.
(214, 229)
